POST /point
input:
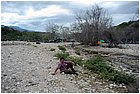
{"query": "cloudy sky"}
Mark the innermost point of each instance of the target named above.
(34, 15)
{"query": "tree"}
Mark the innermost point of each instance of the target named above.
(53, 28)
(45, 38)
(92, 23)
(136, 15)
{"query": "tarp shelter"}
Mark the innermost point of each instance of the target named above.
(102, 41)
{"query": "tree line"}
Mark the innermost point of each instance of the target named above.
(9, 34)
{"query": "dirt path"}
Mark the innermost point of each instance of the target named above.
(28, 68)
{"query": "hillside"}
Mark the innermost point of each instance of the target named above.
(129, 32)
(17, 34)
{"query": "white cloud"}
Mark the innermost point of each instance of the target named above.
(119, 18)
(110, 4)
(85, 2)
(7, 18)
(49, 11)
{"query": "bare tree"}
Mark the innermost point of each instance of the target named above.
(92, 23)
(136, 15)
(53, 29)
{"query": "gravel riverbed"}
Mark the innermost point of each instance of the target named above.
(26, 67)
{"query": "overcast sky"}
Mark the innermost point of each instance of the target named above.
(34, 15)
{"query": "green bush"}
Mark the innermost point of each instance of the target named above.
(62, 54)
(61, 48)
(98, 65)
(52, 49)
(76, 60)
(119, 77)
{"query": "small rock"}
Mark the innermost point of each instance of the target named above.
(93, 77)
(74, 82)
(98, 83)
(114, 85)
(30, 82)
(130, 71)
(88, 81)
(86, 89)
(18, 83)
(61, 84)
(4, 74)
(11, 53)
(62, 73)
(85, 73)
(55, 57)
(36, 92)
(6, 88)
(124, 86)
(49, 67)
(30, 62)
(111, 86)
(13, 90)
(93, 90)
(120, 85)
(13, 77)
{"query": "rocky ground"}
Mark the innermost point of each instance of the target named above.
(124, 59)
(27, 67)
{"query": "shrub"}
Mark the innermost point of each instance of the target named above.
(61, 48)
(119, 77)
(62, 54)
(77, 51)
(76, 60)
(98, 65)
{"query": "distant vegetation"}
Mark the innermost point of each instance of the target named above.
(127, 32)
(10, 34)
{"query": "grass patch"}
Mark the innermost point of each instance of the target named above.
(77, 51)
(98, 65)
(52, 49)
(62, 54)
(76, 60)
(61, 48)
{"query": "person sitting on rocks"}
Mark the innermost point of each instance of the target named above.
(65, 66)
